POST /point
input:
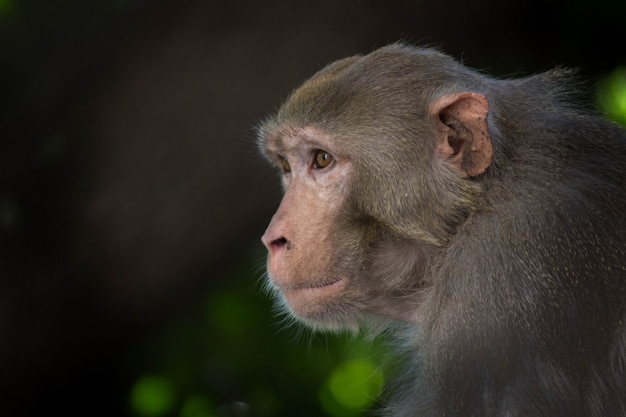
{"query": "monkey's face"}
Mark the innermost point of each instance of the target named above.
(308, 259)
(327, 264)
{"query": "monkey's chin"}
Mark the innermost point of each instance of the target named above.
(313, 304)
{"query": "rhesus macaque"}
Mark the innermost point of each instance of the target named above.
(488, 215)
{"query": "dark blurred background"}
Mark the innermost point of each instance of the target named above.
(132, 197)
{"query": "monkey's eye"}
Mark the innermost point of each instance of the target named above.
(322, 159)
(284, 164)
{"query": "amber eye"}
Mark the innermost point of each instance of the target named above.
(322, 159)
(284, 164)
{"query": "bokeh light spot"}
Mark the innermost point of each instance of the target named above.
(152, 396)
(352, 388)
(612, 95)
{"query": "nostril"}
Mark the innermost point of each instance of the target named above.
(281, 242)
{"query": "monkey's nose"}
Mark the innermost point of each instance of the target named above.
(280, 242)
(276, 244)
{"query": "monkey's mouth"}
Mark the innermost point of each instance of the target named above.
(309, 286)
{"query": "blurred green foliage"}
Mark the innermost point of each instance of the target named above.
(611, 95)
(352, 386)
(233, 357)
(6, 7)
(153, 396)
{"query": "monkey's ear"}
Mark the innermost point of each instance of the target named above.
(462, 133)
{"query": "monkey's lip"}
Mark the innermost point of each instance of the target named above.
(309, 286)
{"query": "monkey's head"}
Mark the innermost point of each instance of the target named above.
(379, 157)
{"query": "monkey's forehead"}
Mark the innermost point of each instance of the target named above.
(285, 139)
